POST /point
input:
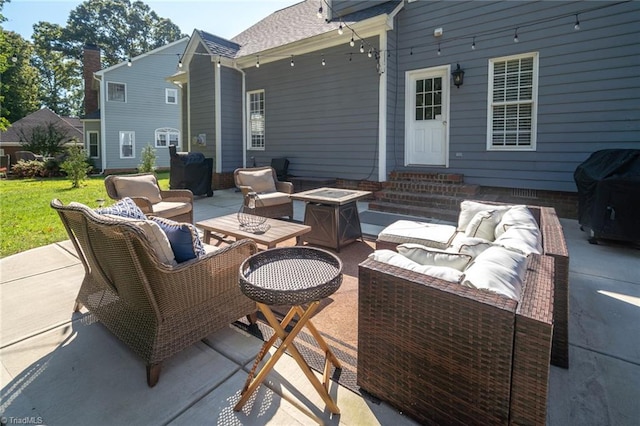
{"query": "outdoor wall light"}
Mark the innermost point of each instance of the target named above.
(458, 76)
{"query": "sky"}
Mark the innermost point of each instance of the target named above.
(224, 18)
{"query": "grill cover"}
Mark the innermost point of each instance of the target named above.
(609, 194)
(190, 170)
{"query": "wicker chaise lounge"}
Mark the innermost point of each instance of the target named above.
(154, 308)
(448, 354)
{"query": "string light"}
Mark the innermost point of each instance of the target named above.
(218, 64)
(411, 52)
(577, 24)
(292, 63)
(370, 53)
(473, 45)
(439, 51)
(319, 14)
(258, 61)
(515, 36)
(323, 61)
(180, 63)
(361, 47)
(352, 42)
(350, 57)
(340, 30)
(129, 61)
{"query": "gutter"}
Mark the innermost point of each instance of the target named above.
(244, 113)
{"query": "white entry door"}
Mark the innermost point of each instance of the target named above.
(426, 119)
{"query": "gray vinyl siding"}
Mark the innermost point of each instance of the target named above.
(231, 117)
(145, 109)
(345, 7)
(588, 86)
(202, 102)
(323, 119)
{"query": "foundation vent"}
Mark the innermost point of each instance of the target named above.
(524, 193)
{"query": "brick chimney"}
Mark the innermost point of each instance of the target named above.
(90, 64)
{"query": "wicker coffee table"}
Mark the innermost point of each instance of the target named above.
(296, 276)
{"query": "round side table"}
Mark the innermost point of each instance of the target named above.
(296, 276)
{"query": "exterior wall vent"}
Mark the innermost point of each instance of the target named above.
(524, 193)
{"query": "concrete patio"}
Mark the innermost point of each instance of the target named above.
(60, 368)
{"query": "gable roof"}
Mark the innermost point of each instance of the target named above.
(156, 51)
(71, 126)
(286, 26)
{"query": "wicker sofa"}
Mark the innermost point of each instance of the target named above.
(155, 308)
(444, 353)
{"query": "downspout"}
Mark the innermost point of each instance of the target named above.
(218, 117)
(244, 114)
(382, 109)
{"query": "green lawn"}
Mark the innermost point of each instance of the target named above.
(26, 219)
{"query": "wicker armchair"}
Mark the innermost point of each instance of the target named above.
(273, 193)
(143, 189)
(155, 309)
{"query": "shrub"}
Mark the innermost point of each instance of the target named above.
(76, 166)
(28, 169)
(148, 156)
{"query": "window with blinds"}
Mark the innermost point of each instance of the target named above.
(256, 119)
(513, 87)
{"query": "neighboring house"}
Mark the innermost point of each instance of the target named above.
(545, 84)
(11, 140)
(131, 105)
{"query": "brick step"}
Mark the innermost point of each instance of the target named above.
(450, 178)
(420, 199)
(450, 189)
(426, 212)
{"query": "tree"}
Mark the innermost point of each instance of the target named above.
(60, 83)
(46, 139)
(121, 28)
(19, 85)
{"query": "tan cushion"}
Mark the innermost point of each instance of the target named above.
(434, 257)
(396, 259)
(274, 199)
(411, 231)
(260, 181)
(138, 186)
(169, 209)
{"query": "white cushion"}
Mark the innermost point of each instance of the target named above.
(499, 270)
(434, 257)
(526, 239)
(261, 181)
(138, 186)
(396, 259)
(469, 245)
(411, 231)
(516, 215)
(483, 225)
(468, 210)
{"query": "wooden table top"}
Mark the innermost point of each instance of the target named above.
(278, 230)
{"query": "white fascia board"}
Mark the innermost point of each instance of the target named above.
(367, 28)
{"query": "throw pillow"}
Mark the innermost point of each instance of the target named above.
(138, 186)
(483, 225)
(125, 208)
(433, 257)
(183, 237)
(523, 238)
(468, 210)
(499, 270)
(468, 245)
(516, 215)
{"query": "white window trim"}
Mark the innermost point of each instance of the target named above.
(89, 133)
(167, 94)
(250, 147)
(125, 91)
(132, 138)
(167, 131)
(534, 104)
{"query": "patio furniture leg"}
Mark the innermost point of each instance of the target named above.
(153, 374)
(77, 306)
(253, 317)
